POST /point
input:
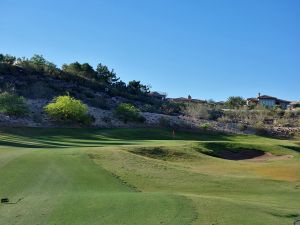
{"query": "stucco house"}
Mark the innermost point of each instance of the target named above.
(268, 101)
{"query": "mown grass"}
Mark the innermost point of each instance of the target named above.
(144, 176)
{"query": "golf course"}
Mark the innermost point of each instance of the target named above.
(147, 177)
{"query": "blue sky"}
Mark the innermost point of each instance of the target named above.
(205, 48)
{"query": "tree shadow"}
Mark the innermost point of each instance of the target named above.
(45, 144)
(82, 137)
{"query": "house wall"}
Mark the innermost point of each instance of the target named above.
(267, 102)
(283, 105)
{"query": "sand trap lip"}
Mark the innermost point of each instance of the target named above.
(253, 155)
(270, 156)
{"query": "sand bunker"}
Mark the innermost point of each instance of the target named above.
(250, 154)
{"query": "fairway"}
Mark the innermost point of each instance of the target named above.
(145, 176)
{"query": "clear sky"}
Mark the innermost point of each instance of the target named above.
(205, 48)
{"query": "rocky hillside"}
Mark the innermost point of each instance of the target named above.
(40, 81)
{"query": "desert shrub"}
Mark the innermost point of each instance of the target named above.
(291, 114)
(224, 119)
(260, 129)
(68, 109)
(233, 116)
(12, 104)
(215, 113)
(205, 126)
(171, 108)
(260, 113)
(298, 122)
(148, 108)
(279, 112)
(285, 122)
(127, 112)
(251, 117)
(242, 127)
(198, 111)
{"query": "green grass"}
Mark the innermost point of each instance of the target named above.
(144, 176)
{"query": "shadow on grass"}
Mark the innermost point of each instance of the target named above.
(290, 215)
(44, 144)
(293, 148)
(82, 137)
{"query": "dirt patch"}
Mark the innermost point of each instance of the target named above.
(286, 172)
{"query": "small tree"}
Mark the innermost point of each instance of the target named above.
(12, 105)
(68, 109)
(235, 102)
(38, 60)
(105, 75)
(81, 70)
(8, 59)
(137, 88)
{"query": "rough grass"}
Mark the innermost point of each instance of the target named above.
(144, 176)
(159, 152)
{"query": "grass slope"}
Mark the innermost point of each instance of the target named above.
(144, 176)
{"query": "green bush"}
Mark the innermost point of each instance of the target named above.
(12, 105)
(127, 112)
(260, 129)
(148, 108)
(171, 108)
(215, 113)
(205, 126)
(68, 109)
(8, 59)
